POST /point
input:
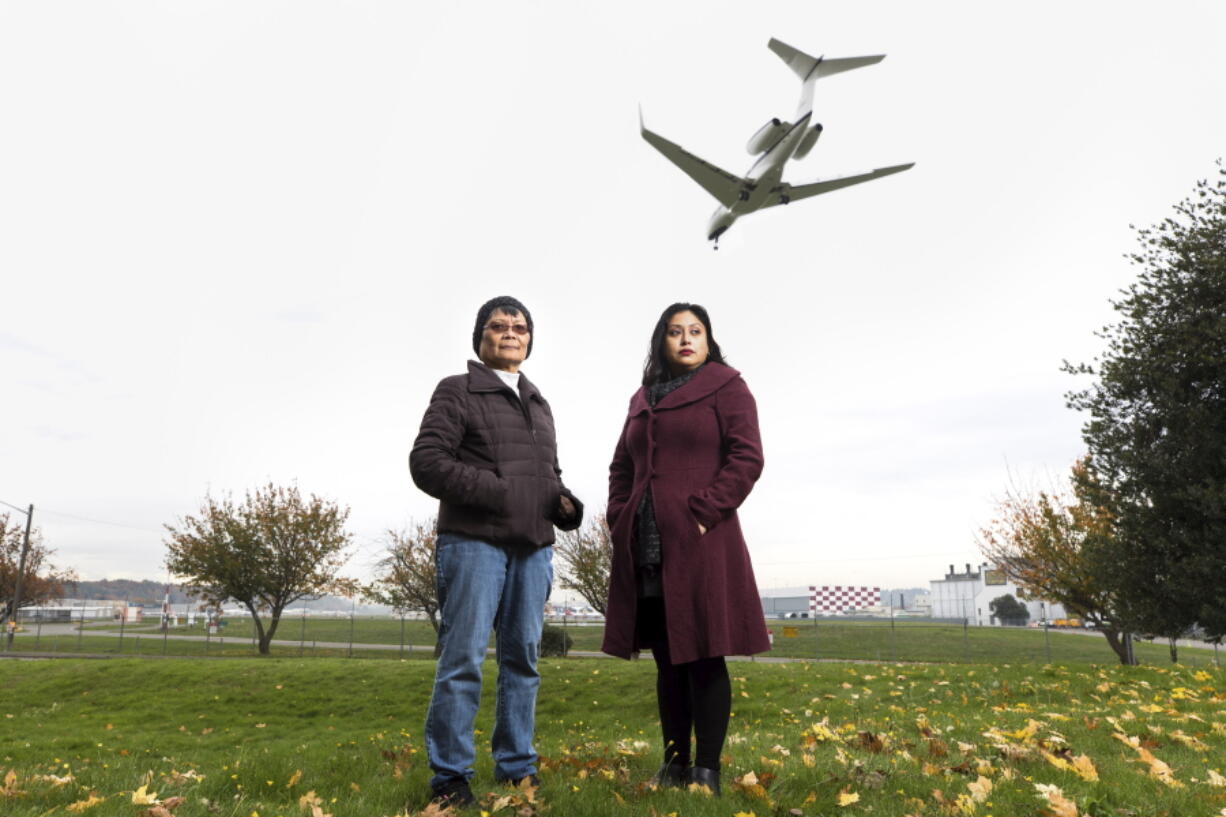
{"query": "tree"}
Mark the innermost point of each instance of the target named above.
(1054, 546)
(265, 553)
(43, 581)
(586, 554)
(1157, 422)
(406, 579)
(1008, 610)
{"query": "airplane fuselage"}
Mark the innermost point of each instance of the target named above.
(762, 182)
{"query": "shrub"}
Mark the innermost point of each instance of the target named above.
(555, 641)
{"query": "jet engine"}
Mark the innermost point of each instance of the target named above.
(807, 142)
(766, 136)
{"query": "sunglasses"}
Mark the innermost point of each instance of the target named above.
(498, 327)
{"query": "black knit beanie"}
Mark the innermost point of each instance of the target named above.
(507, 303)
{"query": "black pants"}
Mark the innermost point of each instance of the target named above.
(693, 697)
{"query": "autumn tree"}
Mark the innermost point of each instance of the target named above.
(270, 550)
(1156, 426)
(1053, 544)
(586, 554)
(406, 578)
(43, 581)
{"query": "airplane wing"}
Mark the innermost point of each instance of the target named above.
(716, 181)
(804, 191)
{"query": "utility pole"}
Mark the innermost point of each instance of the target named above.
(21, 572)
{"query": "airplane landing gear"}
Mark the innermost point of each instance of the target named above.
(784, 199)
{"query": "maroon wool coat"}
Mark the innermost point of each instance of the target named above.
(699, 452)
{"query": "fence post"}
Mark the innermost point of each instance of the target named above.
(817, 650)
(352, 611)
(123, 617)
(302, 634)
(1047, 639)
(402, 635)
(38, 632)
(966, 639)
(893, 637)
(81, 629)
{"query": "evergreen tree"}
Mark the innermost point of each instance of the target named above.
(1157, 423)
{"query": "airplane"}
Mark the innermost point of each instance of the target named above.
(777, 141)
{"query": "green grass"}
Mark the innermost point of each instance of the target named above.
(924, 641)
(264, 732)
(855, 640)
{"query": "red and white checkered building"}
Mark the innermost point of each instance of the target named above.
(839, 599)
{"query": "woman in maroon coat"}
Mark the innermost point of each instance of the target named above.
(682, 583)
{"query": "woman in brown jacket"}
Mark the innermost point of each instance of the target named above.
(682, 583)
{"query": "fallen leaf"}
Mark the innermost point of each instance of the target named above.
(294, 778)
(980, 789)
(143, 797)
(1059, 805)
(847, 797)
(1083, 766)
(82, 805)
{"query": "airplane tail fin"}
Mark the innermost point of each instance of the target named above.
(811, 68)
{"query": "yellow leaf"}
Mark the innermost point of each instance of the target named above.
(980, 789)
(696, 788)
(1216, 779)
(143, 797)
(1191, 741)
(1083, 766)
(1060, 805)
(1058, 762)
(82, 805)
(846, 798)
(745, 814)
(1158, 769)
(294, 778)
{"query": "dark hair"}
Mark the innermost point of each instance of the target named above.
(655, 369)
(503, 303)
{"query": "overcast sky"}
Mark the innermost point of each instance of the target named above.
(242, 241)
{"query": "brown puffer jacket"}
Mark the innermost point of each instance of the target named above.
(491, 460)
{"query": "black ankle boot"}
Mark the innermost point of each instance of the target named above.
(705, 777)
(670, 775)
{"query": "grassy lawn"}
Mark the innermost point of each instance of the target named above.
(253, 736)
(858, 640)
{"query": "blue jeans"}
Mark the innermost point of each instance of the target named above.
(483, 587)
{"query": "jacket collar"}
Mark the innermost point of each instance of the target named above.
(481, 378)
(711, 378)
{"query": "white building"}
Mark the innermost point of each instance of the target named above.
(967, 596)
